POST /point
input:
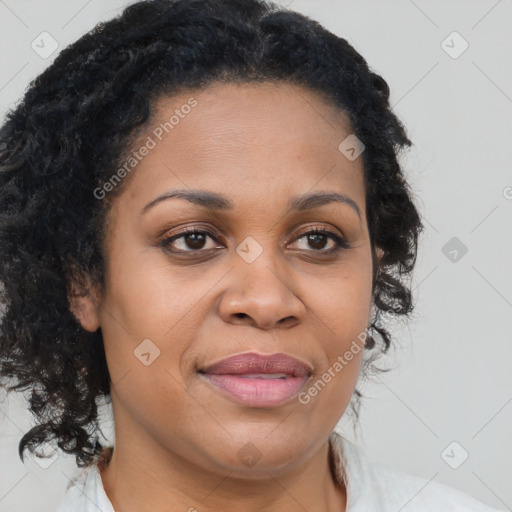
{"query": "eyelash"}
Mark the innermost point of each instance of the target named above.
(341, 244)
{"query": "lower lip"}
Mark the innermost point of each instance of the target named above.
(257, 392)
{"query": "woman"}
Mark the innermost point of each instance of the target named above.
(202, 219)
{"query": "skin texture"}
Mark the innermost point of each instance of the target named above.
(177, 437)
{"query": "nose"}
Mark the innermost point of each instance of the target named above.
(261, 294)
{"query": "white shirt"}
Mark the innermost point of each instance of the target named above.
(370, 487)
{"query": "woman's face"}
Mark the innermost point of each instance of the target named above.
(253, 279)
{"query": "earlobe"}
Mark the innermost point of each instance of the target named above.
(84, 304)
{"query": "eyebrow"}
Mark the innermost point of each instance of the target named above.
(214, 201)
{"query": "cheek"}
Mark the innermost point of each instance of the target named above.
(341, 302)
(150, 297)
(150, 309)
(149, 322)
(341, 307)
(340, 330)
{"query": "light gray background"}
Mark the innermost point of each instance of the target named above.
(452, 378)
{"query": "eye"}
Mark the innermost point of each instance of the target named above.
(196, 240)
(318, 238)
(189, 240)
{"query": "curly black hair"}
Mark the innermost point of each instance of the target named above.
(77, 122)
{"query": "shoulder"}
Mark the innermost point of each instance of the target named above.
(372, 486)
(399, 491)
(85, 493)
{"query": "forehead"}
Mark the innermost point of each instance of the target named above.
(244, 114)
(247, 140)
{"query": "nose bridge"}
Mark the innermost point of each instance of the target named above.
(260, 288)
(260, 277)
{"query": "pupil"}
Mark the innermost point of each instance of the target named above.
(315, 239)
(197, 240)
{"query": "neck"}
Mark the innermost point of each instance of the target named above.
(141, 480)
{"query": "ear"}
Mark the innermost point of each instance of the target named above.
(84, 303)
(378, 255)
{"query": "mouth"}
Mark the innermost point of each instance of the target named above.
(256, 380)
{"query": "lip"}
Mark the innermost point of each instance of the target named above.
(242, 378)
